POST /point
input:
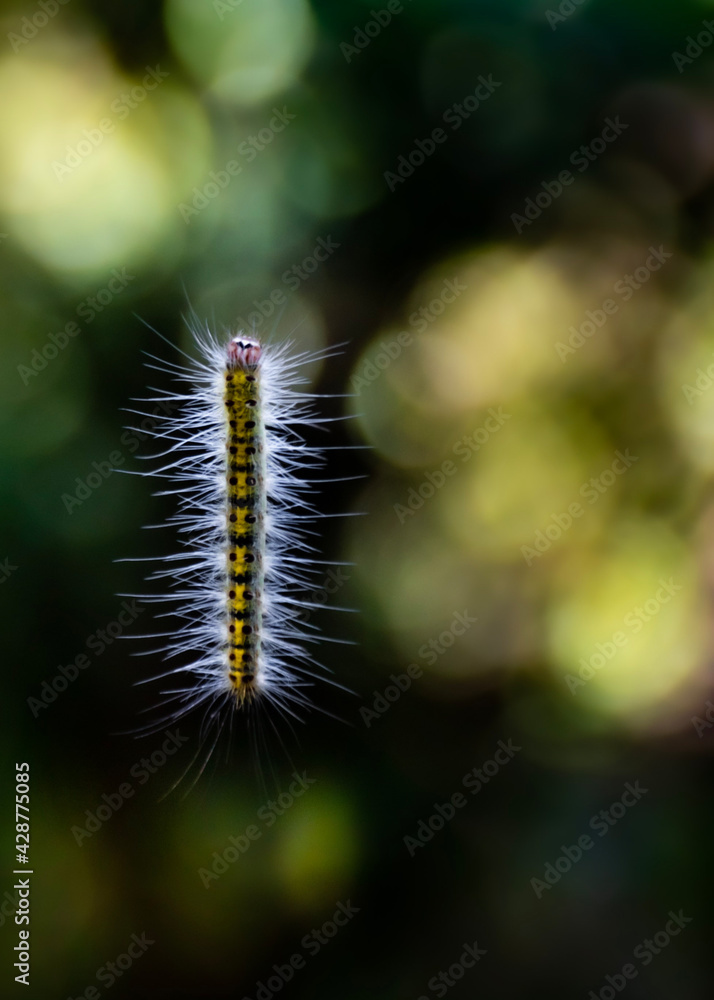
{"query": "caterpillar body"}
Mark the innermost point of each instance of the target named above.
(238, 464)
(246, 512)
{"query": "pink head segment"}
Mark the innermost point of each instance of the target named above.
(244, 352)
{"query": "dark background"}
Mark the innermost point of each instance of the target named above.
(637, 381)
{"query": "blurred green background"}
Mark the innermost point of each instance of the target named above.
(505, 210)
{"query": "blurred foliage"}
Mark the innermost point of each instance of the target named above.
(505, 211)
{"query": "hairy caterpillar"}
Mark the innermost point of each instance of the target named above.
(236, 460)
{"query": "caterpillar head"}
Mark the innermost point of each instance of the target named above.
(244, 352)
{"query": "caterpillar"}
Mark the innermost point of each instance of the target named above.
(237, 463)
